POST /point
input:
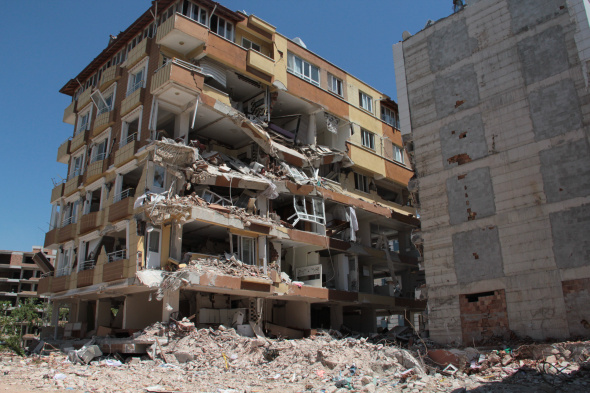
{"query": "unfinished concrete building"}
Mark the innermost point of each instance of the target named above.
(220, 170)
(494, 104)
(19, 274)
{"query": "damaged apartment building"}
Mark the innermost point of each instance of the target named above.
(221, 171)
(494, 112)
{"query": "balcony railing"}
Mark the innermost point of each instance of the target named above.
(98, 157)
(110, 75)
(74, 173)
(63, 152)
(124, 194)
(62, 271)
(68, 220)
(117, 255)
(78, 141)
(181, 34)
(87, 265)
(129, 139)
(134, 87)
(137, 53)
(70, 113)
(84, 98)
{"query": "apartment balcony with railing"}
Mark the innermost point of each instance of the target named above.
(72, 183)
(260, 62)
(182, 34)
(104, 120)
(116, 265)
(84, 98)
(96, 167)
(110, 76)
(127, 150)
(63, 152)
(57, 191)
(68, 229)
(70, 113)
(134, 98)
(86, 273)
(51, 238)
(122, 205)
(78, 140)
(178, 82)
(137, 53)
(90, 221)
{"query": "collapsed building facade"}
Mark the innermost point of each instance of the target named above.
(221, 171)
(494, 105)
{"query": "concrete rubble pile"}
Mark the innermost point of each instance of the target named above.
(220, 360)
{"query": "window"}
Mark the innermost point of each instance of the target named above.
(303, 69)
(193, 11)
(398, 154)
(389, 116)
(244, 248)
(246, 43)
(99, 152)
(335, 85)
(136, 80)
(361, 182)
(159, 178)
(77, 166)
(222, 27)
(70, 213)
(103, 102)
(366, 101)
(167, 14)
(368, 139)
(308, 209)
(83, 121)
(130, 128)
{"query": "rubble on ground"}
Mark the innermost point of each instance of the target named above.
(220, 360)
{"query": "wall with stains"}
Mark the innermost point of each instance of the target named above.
(499, 110)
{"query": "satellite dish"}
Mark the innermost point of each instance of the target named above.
(299, 42)
(405, 35)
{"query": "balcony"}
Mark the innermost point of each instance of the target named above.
(109, 76)
(50, 238)
(72, 185)
(137, 53)
(84, 97)
(67, 232)
(103, 121)
(63, 152)
(44, 287)
(132, 101)
(96, 168)
(114, 270)
(260, 62)
(122, 206)
(177, 82)
(70, 114)
(126, 153)
(90, 221)
(86, 274)
(59, 284)
(78, 140)
(181, 34)
(57, 192)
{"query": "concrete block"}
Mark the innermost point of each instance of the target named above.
(456, 91)
(471, 196)
(478, 255)
(528, 13)
(450, 44)
(571, 243)
(566, 171)
(543, 55)
(463, 138)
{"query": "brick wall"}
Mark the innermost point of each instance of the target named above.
(483, 316)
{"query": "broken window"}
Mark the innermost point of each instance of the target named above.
(159, 178)
(366, 101)
(245, 248)
(361, 182)
(368, 139)
(303, 69)
(103, 102)
(308, 209)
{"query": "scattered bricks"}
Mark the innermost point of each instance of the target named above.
(183, 357)
(551, 359)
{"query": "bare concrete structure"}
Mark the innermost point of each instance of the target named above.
(494, 102)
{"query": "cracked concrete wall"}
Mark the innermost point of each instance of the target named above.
(498, 104)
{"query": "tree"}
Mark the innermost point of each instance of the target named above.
(12, 321)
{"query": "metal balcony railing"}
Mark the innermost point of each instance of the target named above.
(124, 194)
(74, 173)
(98, 157)
(134, 87)
(62, 271)
(68, 220)
(117, 255)
(129, 139)
(87, 265)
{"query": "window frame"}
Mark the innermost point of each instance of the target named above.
(83, 113)
(398, 151)
(226, 23)
(81, 156)
(105, 138)
(132, 83)
(187, 8)
(249, 44)
(125, 121)
(389, 117)
(361, 183)
(292, 60)
(368, 139)
(365, 101)
(339, 89)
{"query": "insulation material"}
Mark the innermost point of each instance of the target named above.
(332, 123)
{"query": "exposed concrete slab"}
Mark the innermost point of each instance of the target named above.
(555, 109)
(450, 44)
(571, 243)
(471, 196)
(463, 141)
(456, 91)
(566, 171)
(543, 55)
(478, 255)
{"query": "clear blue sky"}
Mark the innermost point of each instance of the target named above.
(45, 43)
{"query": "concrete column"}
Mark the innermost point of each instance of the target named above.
(55, 317)
(182, 125)
(103, 313)
(336, 316)
(298, 314)
(364, 232)
(170, 304)
(353, 273)
(342, 272)
(368, 320)
(262, 257)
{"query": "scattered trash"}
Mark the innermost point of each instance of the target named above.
(59, 377)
